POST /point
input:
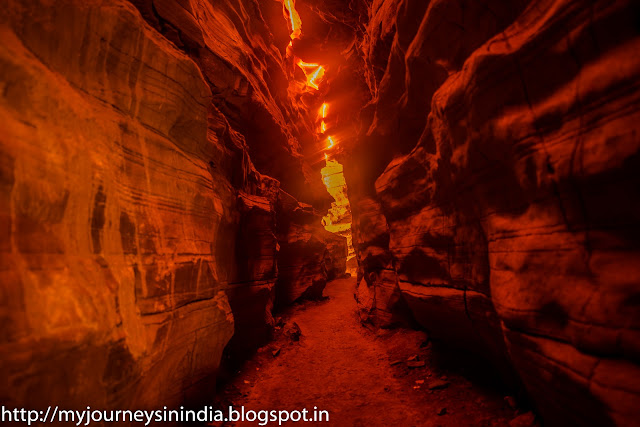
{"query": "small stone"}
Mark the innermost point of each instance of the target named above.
(419, 381)
(511, 402)
(414, 357)
(275, 352)
(527, 419)
(416, 364)
(294, 332)
(442, 411)
(438, 384)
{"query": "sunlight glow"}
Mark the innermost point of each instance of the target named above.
(294, 19)
(317, 75)
(338, 218)
(313, 77)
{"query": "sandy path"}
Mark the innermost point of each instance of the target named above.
(345, 369)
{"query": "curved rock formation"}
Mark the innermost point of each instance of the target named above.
(160, 166)
(502, 204)
(138, 237)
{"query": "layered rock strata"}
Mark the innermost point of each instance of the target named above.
(137, 237)
(500, 203)
(308, 255)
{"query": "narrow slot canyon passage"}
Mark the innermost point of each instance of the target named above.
(347, 212)
(362, 375)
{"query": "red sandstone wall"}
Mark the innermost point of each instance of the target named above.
(506, 213)
(137, 235)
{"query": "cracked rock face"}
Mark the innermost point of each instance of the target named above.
(139, 221)
(501, 203)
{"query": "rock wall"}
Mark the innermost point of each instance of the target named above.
(308, 255)
(239, 45)
(137, 235)
(498, 200)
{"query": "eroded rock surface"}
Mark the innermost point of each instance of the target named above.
(157, 201)
(502, 205)
(239, 47)
(308, 255)
(137, 235)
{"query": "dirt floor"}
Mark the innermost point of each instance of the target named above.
(362, 377)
